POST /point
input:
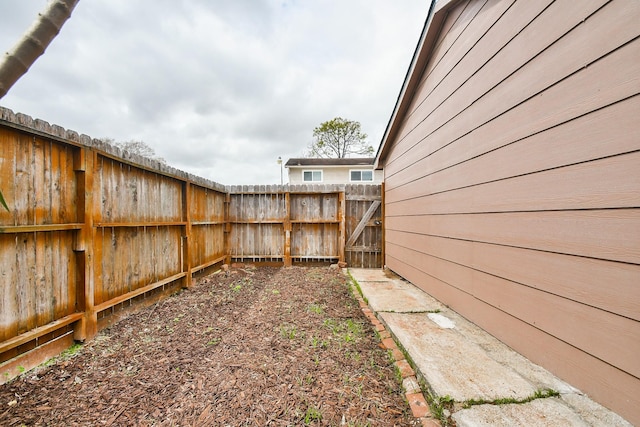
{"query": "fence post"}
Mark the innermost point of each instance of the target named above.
(227, 227)
(186, 239)
(342, 218)
(287, 230)
(84, 162)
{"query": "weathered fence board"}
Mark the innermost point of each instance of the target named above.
(305, 223)
(92, 231)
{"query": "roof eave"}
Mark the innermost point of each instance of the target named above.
(432, 26)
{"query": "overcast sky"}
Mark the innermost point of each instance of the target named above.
(219, 88)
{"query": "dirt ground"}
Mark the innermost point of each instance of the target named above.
(264, 346)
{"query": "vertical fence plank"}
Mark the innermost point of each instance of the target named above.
(342, 218)
(287, 229)
(186, 238)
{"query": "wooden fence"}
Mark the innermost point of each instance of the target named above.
(93, 231)
(304, 223)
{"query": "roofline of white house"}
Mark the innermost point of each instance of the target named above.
(330, 166)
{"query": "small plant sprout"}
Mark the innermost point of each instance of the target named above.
(288, 331)
(312, 414)
(315, 308)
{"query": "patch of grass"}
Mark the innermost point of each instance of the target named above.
(397, 373)
(315, 308)
(312, 414)
(348, 331)
(316, 342)
(306, 380)
(352, 355)
(439, 406)
(288, 331)
(315, 274)
(71, 351)
(65, 355)
(213, 341)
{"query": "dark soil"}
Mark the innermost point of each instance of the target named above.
(262, 346)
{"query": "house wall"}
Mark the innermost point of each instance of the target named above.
(332, 174)
(512, 184)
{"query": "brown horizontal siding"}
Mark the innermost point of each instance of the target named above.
(602, 334)
(572, 232)
(610, 80)
(613, 182)
(604, 382)
(437, 86)
(453, 28)
(614, 129)
(573, 277)
(444, 60)
(556, 76)
(512, 185)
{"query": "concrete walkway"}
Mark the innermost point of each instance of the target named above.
(456, 359)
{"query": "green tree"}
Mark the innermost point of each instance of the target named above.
(339, 138)
(15, 63)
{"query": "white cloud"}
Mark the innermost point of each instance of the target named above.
(218, 88)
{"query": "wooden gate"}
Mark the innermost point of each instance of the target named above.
(364, 226)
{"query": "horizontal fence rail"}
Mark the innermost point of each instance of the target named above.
(93, 231)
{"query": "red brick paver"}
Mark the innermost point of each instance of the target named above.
(418, 405)
(405, 369)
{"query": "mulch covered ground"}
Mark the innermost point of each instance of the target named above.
(262, 346)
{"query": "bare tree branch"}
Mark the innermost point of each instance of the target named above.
(23, 55)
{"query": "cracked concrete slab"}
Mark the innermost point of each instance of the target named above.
(550, 412)
(457, 358)
(388, 292)
(453, 365)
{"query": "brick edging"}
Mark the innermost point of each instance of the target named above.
(413, 392)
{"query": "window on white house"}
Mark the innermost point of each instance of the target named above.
(312, 176)
(361, 176)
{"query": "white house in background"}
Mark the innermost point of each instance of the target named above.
(333, 171)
